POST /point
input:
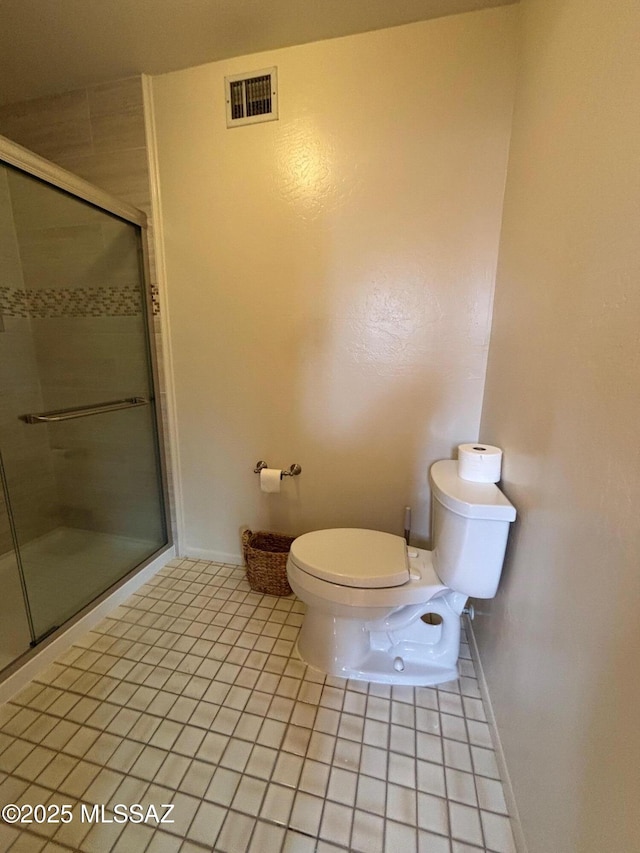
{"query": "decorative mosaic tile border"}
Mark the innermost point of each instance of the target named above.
(155, 299)
(50, 303)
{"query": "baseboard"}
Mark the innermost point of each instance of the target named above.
(41, 657)
(213, 556)
(512, 806)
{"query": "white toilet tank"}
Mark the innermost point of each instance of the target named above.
(470, 525)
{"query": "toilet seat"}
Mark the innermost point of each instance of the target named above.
(423, 585)
(352, 557)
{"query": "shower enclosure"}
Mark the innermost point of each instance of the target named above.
(82, 499)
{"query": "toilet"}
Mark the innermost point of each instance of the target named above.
(380, 611)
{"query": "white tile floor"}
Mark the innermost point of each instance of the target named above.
(191, 694)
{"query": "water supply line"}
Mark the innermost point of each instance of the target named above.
(407, 524)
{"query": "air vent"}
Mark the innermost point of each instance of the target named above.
(252, 97)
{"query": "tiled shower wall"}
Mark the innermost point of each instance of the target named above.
(97, 133)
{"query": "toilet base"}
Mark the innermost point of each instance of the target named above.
(379, 668)
(403, 647)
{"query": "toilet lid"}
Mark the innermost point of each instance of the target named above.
(353, 557)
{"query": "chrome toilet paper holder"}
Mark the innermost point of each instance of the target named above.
(293, 471)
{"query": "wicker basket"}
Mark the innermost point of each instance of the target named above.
(266, 557)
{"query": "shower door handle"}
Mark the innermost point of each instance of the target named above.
(97, 409)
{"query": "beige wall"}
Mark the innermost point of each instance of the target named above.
(330, 274)
(560, 644)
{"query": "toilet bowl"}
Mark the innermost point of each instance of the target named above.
(380, 611)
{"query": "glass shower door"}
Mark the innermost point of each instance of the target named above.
(15, 627)
(78, 428)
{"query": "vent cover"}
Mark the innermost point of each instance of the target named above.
(252, 97)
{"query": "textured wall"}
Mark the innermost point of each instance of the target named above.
(560, 644)
(330, 275)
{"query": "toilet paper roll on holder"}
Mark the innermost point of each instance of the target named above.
(293, 470)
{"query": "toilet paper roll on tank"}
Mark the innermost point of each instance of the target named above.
(479, 463)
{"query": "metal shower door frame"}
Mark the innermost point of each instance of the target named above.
(26, 161)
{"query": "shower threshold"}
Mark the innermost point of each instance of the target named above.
(64, 570)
